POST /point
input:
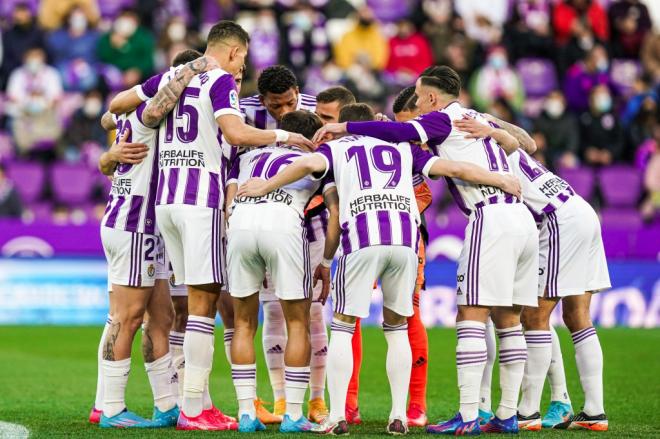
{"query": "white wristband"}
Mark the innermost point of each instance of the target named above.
(281, 136)
(327, 263)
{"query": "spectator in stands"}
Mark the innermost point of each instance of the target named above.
(73, 51)
(630, 21)
(642, 124)
(364, 43)
(570, 17)
(483, 19)
(584, 76)
(602, 134)
(10, 201)
(650, 55)
(53, 13)
(438, 27)
(33, 91)
(306, 41)
(17, 39)
(529, 33)
(560, 132)
(651, 167)
(129, 47)
(391, 11)
(410, 53)
(85, 127)
(319, 78)
(265, 38)
(460, 54)
(496, 79)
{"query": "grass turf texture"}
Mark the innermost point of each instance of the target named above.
(48, 379)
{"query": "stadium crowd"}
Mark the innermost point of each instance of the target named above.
(586, 71)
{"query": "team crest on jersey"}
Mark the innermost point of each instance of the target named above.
(233, 99)
(172, 281)
(151, 270)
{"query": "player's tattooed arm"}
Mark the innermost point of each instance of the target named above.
(322, 272)
(475, 174)
(257, 187)
(166, 98)
(122, 152)
(478, 130)
(524, 139)
(237, 132)
(108, 121)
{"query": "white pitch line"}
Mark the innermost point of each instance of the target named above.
(13, 431)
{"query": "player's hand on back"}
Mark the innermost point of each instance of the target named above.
(254, 187)
(301, 141)
(511, 184)
(333, 129)
(382, 117)
(474, 128)
(127, 152)
(322, 273)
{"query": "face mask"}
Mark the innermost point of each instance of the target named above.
(497, 62)
(92, 107)
(34, 65)
(602, 65)
(125, 26)
(78, 22)
(365, 22)
(176, 32)
(302, 21)
(603, 103)
(554, 108)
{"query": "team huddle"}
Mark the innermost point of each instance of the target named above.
(221, 205)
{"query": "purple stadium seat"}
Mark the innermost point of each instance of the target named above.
(72, 184)
(620, 218)
(29, 179)
(620, 185)
(538, 76)
(623, 73)
(42, 211)
(581, 179)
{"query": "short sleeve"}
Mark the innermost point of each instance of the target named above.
(326, 153)
(139, 110)
(433, 128)
(149, 88)
(224, 97)
(422, 160)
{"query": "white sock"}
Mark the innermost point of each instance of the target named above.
(539, 354)
(340, 367)
(319, 338)
(513, 354)
(115, 378)
(178, 363)
(160, 378)
(245, 383)
(471, 359)
(297, 381)
(485, 403)
(274, 344)
(556, 374)
(207, 402)
(589, 358)
(198, 351)
(98, 401)
(228, 336)
(398, 365)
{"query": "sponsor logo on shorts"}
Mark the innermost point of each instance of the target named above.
(459, 292)
(151, 270)
(460, 278)
(541, 271)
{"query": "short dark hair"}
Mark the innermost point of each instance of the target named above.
(185, 56)
(336, 94)
(276, 79)
(301, 122)
(405, 100)
(443, 78)
(226, 30)
(356, 113)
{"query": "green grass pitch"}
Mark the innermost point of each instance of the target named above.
(48, 379)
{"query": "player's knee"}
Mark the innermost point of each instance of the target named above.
(273, 313)
(576, 318)
(533, 319)
(344, 318)
(392, 318)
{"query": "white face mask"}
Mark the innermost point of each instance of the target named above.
(125, 26)
(34, 65)
(78, 22)
(554, 108)
(176, 32)
(92, 107)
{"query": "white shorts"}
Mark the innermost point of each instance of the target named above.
(164, 271)
(193, 240)
(316, 249)
(395, 266)
(268, 238)
(131, 257)
(499, 263)
(571, 253)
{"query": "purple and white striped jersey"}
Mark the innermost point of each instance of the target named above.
(190, 155)
(132, 199)
(543, 191)
(267, 162)
(376, 197)
(257, 115)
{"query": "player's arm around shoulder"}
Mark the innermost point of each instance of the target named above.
(332, 237)
(475, 174)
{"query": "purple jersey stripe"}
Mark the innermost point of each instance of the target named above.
(112, 217)
(214, 191)
(345, 239)
(362, 230)
(133, 217)
(150, 214)
(171, 185)
(384, 227)
(161, 185)
(406, 229)
(260, 119)
(192, 184)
